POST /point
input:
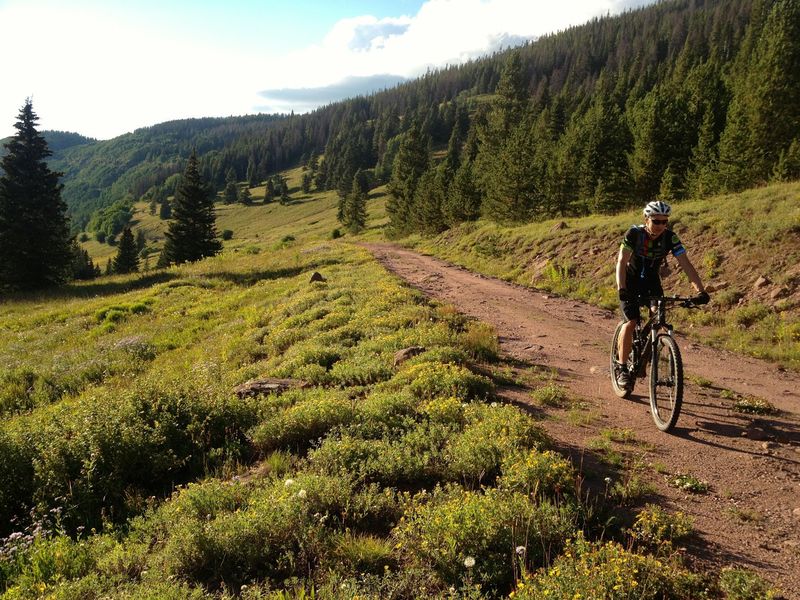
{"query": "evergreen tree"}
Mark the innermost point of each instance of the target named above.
(514, 188)
(141, 240)
(231, 195)
(774, 88)
(35, 248)
(83, 267)
(269, 191)
(428, 217)
(506, 113)
(191, 234)
(252, 173)
(305, 185)
(463, 199)
(354, 213)
(127, 258)
(165, 211)
(704, 163)
(412, 160)
(245, 197)
(788, 166)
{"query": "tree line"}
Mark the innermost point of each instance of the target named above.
(37, 250)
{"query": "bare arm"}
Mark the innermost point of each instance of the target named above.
(623, 259)
(691, 272)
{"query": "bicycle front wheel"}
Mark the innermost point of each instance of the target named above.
(666, 383)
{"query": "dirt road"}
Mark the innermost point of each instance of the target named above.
(751, 515)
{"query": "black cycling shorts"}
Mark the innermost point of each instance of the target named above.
(631, 308)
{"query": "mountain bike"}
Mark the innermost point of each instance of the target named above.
(654, 344)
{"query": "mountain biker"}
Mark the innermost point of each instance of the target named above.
(643, 251)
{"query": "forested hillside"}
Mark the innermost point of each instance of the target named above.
(683, 98)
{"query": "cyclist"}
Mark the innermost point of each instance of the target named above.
(642, 253)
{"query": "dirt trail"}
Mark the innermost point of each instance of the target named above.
(751, 516)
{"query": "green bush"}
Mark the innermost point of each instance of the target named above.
(288, 527)
(298, 426)
(492, 434)
(412, 460)
(656, 527)
(538, 473)
(429, 380)
(608, 571)
(445, 528)
(480, 341)
(741, 584)
(97, 457)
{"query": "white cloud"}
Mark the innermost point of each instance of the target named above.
(442, 32)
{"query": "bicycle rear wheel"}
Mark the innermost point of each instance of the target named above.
(622, 392)
(666, 383)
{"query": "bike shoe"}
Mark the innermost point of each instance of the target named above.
(623, 377)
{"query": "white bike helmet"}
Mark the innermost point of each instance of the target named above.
(656, 207)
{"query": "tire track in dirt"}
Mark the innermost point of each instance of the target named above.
(751, 516)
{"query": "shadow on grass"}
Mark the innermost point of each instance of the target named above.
(249, 278)
(93, 289)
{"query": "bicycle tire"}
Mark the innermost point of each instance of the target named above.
(622, 392)
(666, 383)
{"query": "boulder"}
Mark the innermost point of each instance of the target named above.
(270, 385)
(316, 277)
(761, 282)
(403, 355)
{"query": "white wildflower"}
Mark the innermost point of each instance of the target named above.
(520, 550)
(301, 494)
(288, 482)
(469, 562)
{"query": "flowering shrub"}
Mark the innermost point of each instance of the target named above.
(429, 380)
(492, 433)
(655, 527)
(298, 426)
(445, 528)
(538, 473)
(596, 571)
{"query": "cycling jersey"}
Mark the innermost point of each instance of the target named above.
(648, 254)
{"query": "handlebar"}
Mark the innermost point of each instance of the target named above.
(683, 301)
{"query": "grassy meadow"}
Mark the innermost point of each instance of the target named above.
(129, 468)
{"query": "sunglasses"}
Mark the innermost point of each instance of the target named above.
(659, 221)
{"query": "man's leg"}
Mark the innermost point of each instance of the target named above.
(625, 341)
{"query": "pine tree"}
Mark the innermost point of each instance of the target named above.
(354, 214)
(245, 197)
(774, 87)
(252, 173)
(35, 250)
(463, 199)
(83, 267)
(269, 191)
(412, 160)
(428, 217)
(191, 234)
(788, 166)
(165, 211)
(231, 194)
(127, 258)
(514, 188)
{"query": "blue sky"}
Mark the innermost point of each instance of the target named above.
(106, 67)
